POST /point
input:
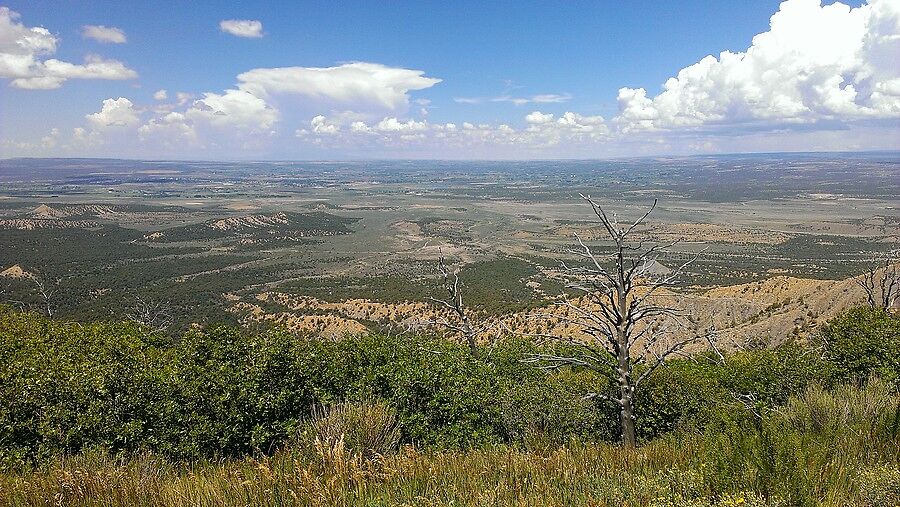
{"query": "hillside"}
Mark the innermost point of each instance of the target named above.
(766, 312)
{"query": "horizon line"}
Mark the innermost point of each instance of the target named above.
(400, 159)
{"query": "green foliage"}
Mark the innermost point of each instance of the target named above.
(68, 387)
(492, 287)
(814, 451)
(835, 432)
(65, 387)
(544, 411)
(864, 341)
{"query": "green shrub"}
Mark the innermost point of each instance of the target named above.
(66, 387)
(863, 341)
(836, 432)
(548, 409)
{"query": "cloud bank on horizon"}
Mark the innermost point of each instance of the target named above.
(823, 77)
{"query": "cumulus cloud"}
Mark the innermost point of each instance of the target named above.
(815, 63)
(50, 140)
(118, 112)
(395, 125)
(537, 117)
(23, 48)
(360, 127)
(170, 130)
(104, 34)
(320, 125)
(577, 123)
(358, 83)
(234, 108)
(542, 130)
(816, 66)
(387, 127)
(83, 138)
(245, 116)
(247, 28)
(183, 97)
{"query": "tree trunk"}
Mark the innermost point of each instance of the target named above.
(627, 418)
(626, 389)
(626, 399)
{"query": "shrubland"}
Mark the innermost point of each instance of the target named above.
(110, 413)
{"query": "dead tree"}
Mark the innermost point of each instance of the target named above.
(150, 314)
(881, 282)
(46, 290)
(628, 330)
(456, 307)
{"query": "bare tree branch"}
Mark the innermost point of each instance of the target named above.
(455, 305)
(46, 290)
(151, 314)
(881, 282)
(625, 321)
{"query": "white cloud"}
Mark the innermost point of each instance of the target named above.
(582, 127)
(547, 98)
(359, 127)
(234, 108)
(815, 63)
(321, 126)
(359, 83)
(395, 125)
(246, 115)
(50, 140)
(171, 129)
(118, 112)
(551, 98)
(105, 34)
(538, 117)
(569, 128)
(248, 28)
(543, 130)
(83, 138)
(160, 95)
(22, 49)
(183, 97)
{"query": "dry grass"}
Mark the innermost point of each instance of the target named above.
(331, 475)
(367, 428)
(824, 448)
(660, 474)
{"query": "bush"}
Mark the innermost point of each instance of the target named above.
(547, 410)
(366, 428)
(66, 387)
(864, 412)
(862, 342)
(835, 432)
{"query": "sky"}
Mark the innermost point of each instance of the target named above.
(446, 80)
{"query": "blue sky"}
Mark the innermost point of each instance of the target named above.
(389, 79)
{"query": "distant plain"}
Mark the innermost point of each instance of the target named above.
(204, 235)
